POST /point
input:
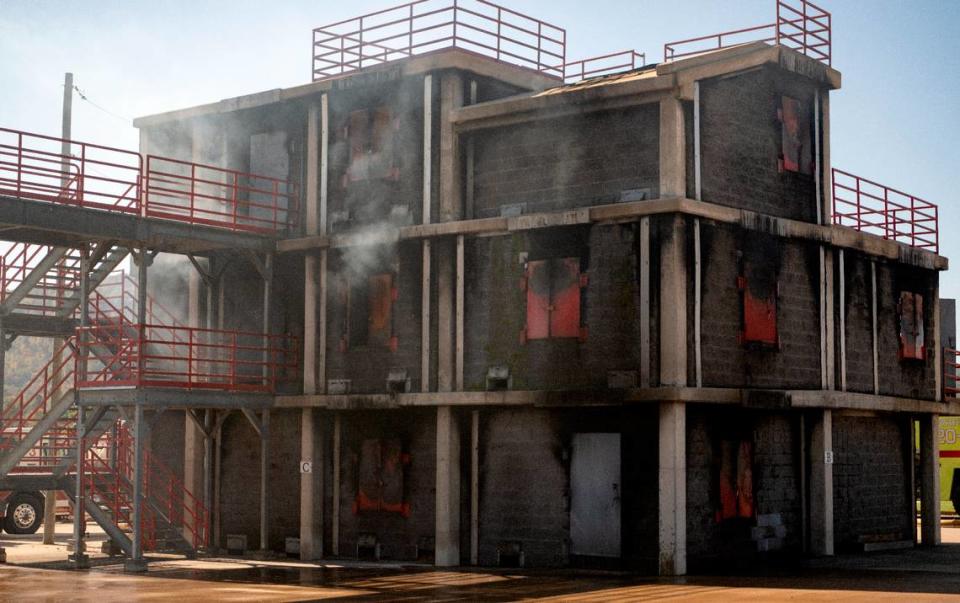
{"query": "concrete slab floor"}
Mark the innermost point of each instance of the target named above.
(917, 575)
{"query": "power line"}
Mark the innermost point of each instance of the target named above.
(84, 97)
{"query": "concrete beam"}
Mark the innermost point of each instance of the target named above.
(835, 236)
(441, 60)
(56, 224)
(672, 482)
(749, 398)
(447, 532)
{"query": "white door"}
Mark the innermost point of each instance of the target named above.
(595, 494)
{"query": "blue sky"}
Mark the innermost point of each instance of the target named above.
(895, 120)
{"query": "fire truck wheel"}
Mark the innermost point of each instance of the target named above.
(24, 514)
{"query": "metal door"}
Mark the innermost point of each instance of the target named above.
(595, 494)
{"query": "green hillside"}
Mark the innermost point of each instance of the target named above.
(25, 357)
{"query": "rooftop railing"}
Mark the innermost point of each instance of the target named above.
(428, 25)
(800, 25)
(608, 64)
(871, 207)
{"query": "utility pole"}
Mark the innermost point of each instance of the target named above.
(66, 123)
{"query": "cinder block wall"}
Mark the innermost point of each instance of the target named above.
(496, 308)
(726, 362)
(871, 480)
(525, 481)
(910, 378)
(741, 141)
(576, 161)
(401, 538)
(776, 481)
(367, 366)
(240, 479)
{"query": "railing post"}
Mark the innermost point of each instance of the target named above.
(360, 46)
(410, 32)
(193, 189)
(19, 162)
(455, 23)
(236, 198)
(499, 24)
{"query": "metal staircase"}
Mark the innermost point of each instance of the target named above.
(38, 432)
(40, 285)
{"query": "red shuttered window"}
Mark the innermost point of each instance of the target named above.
(553, 298)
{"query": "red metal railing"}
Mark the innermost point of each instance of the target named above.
(427, 25)
(214, 196)
(870, 207)
(800, 25)
(48, 296)
(109, 479)
(33, 166)
(162, 356)
(607, 64)
(33, 402)
(951, 370)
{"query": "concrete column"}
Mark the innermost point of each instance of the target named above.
(673, 304)
(310, 292)
(672, 538)
(446, 312)
(673, 164)
(311, 485)
(451, 197)
(929, 480)
(447, 535)
(821, 482)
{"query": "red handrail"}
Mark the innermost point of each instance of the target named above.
(33, 166)
(871, 207)
(191, 358)
(607, 64)
(427, 25)
(951, 371)
(800, 25)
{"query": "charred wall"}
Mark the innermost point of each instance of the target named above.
(728, 252)
(496, 308)
(366, 363)
(525, 482)
(401, 536)
(907, 378)
(773, 441)
(576, 161)
(741, 141)
(240, 479)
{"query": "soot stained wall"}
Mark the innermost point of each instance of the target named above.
(568, 162)
(726, 362)
(496, 309)
(741, 142)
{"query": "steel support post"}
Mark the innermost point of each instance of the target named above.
(264, 480)
(137, 563)
(79, 558)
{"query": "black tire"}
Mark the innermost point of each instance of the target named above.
(24, 513)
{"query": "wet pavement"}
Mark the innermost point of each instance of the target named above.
(916, 575)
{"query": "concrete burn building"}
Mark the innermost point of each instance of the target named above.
(499, 308)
